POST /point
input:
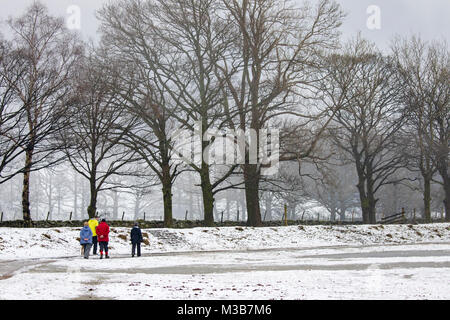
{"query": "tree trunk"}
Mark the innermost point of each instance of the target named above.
(447, 199)
(92, 208)
(167, 196)
(208, 196)
(443, 171)
(251, 176)
(427, 198)
(26, 189)
(372, 210)
(364, 200)
(333, 213)
(368, 201)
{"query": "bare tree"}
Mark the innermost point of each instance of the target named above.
(13, 129)
(97, 126)
(49, 53)
(175, 46)
(424, 72)
(137, 92)
(269, 69)
(368, 121)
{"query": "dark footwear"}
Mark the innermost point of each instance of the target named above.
(132, 256)
(86, 258)
(101, 257)
(107, 257)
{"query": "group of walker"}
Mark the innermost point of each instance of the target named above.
(94, 233)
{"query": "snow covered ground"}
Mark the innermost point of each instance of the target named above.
(309, 262)
(62, 242)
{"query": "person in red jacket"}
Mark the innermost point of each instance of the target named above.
(103, 238)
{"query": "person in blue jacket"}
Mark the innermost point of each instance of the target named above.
(136, 239)
(86, 239)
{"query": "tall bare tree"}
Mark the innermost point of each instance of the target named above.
(424, 71)
(97, 126)
(176, 46)
(268, 70)
(13, 129)
(49, 53)
(369, 119)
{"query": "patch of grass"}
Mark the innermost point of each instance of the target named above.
(123, 237)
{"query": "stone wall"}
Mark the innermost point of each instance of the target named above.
(177, 224)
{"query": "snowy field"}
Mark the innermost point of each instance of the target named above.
(309, 262)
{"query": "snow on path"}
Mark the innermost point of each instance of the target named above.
(419, 271)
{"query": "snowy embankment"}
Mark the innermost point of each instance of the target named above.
(62, 242)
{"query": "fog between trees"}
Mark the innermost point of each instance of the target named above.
(92, 128)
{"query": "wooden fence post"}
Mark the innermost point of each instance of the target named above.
(144, 215)
(185, 216)
(403, 214)
(70, 218)
(318, 216)
(48, 214)
(414, 215)
(1, 219)
(221, 219)
(237, 219)
(123, 215)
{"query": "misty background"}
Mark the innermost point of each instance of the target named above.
(59, 190)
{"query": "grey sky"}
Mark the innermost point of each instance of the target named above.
(430, 18)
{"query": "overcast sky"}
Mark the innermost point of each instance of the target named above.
(430, 18)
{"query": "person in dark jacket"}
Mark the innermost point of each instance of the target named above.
(136, 239)
(103, 238)
(86, 239)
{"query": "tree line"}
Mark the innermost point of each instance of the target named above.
(111, 109)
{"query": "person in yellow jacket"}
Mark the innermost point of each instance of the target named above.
(93, 223)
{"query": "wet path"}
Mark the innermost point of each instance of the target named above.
(255, 260)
